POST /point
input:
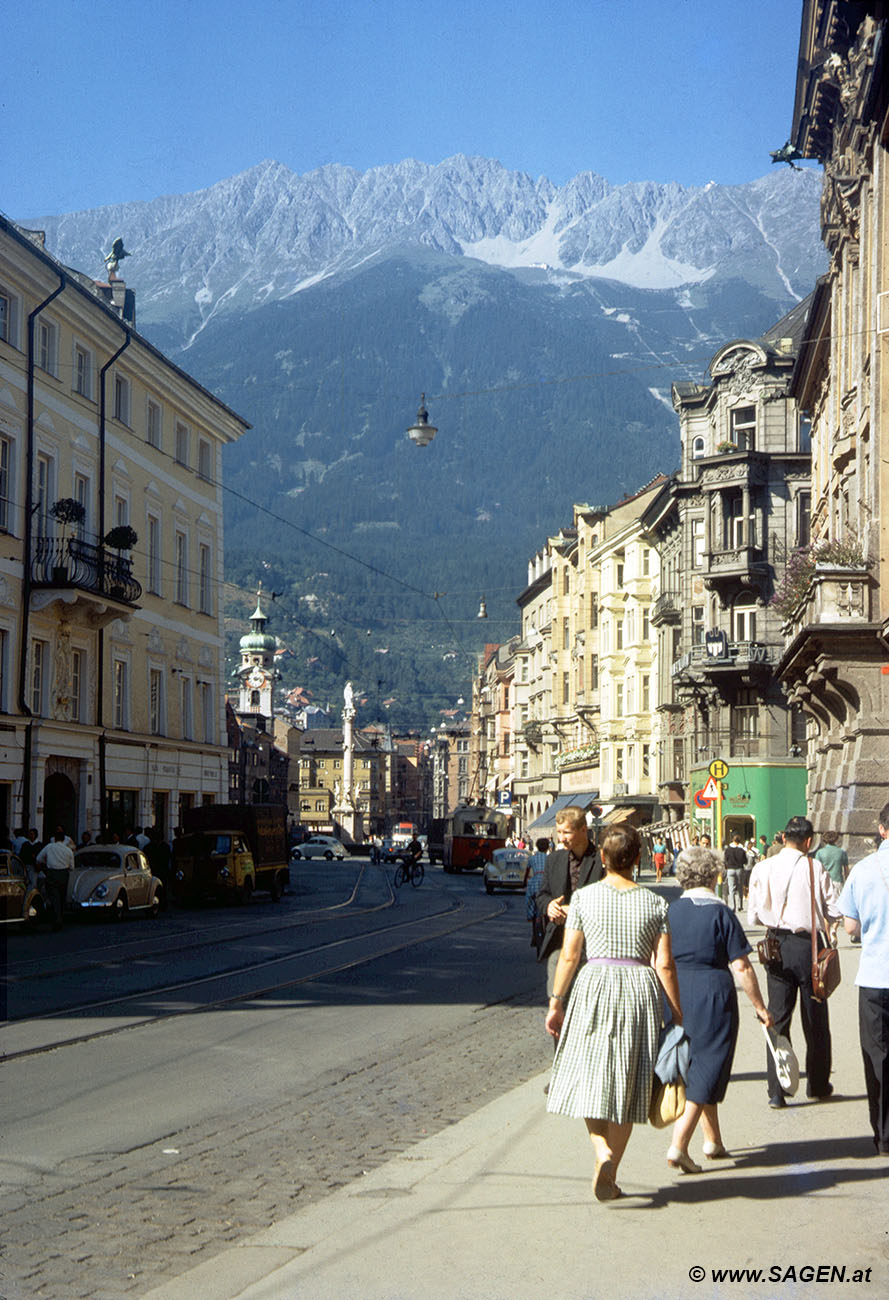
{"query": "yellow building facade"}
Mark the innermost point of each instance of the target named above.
(111, 645)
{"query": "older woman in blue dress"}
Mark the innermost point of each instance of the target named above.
(709, 944)
(607, 1035)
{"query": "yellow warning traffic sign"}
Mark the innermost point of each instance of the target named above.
(718, 769)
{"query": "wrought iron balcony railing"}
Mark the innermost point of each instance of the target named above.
(738, 655)
(72, 563)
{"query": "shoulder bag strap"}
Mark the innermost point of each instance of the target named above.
(812, 884)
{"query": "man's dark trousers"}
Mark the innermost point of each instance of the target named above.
(873, 1030)
(795, 974)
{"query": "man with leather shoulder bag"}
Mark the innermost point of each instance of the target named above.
(782, 890)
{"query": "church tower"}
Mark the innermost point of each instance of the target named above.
(257, 672)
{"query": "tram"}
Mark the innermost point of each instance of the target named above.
(471, 836)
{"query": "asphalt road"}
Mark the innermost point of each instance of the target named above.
(175, 1085)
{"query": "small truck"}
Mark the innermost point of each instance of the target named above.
(230, 851)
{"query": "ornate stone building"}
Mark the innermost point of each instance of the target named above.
(725, 526)
(837, 637)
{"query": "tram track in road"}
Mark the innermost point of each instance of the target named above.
(426, 928)
(157, 943)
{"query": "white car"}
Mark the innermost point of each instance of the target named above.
(508, 869)
(113, 879)
(320, 846)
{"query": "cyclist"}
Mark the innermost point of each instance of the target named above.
(415, 850)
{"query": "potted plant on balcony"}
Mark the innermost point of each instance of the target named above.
(65, 511)
(121, 538)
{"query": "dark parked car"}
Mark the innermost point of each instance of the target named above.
(20, 899)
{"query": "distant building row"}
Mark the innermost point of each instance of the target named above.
(739, 609)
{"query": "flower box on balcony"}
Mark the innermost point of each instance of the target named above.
(836, 594)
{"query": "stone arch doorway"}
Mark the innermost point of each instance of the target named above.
(59, 805)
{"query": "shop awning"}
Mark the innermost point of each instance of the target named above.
(621, 812)
(579, 799)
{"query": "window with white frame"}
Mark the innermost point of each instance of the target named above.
(206, 575)
(631, 693)
(8, 317)
(186, 707)
(697, 624)
(208, 716)
(76, 699)
(121, 692)
(697, 543)
(154, 424)
(156, 701)
(733, 506)
(182, 443)
(122, 399)
(646, 760)
(619, 763)
(618, 699)
(631, 764)
(45, 470)
(83, 371)
(181, 569)
(4, 669)
(39, 665)
(205, 461)
(743, 427)
(646, 692)
(618, 634)
(697, 448)
(82, 495)
(804, 433)
(48, 347)
(804, 518)
(121, 510)
(646, 561)
(744, 619)
(7, 449)
(646, 626)
(154, 555)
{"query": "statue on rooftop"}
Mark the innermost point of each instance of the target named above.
(114, 258)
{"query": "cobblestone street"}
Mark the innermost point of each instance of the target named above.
(112, 1226)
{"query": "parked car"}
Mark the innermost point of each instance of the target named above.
(508, 869)
(393, 852)
(320, 846)
(112, 880)
(20, 899)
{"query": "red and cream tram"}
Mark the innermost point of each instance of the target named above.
(471, 836)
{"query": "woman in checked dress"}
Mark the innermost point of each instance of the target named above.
(607, 1036)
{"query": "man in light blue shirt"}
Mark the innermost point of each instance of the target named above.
(864, 904)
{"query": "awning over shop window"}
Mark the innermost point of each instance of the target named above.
(579, 799)
(621, 812)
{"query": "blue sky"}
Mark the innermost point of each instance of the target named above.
(108, 102)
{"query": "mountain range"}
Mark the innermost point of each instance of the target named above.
(545, 323)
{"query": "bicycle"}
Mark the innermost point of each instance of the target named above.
(412, 871)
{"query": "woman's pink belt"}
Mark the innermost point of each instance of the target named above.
(615, 961)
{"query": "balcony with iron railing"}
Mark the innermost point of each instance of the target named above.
(73, 564)
(739, 657)
(666, 609)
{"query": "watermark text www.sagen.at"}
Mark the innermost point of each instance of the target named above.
(783, 1273)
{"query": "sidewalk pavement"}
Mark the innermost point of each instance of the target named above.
(499, 1206)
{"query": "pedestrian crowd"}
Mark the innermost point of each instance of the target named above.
(48, 865)
(627, 974)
